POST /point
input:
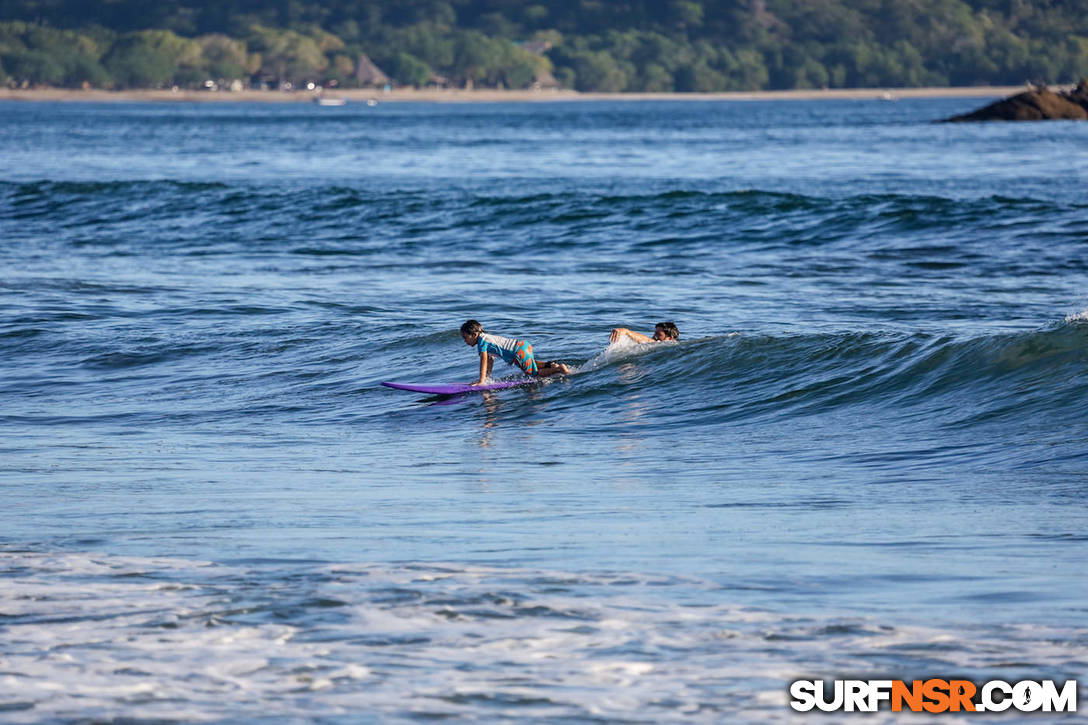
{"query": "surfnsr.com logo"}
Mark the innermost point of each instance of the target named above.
(933, 696)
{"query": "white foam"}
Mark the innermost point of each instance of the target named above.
(213, 643)
(617, 351)
(1078, 317)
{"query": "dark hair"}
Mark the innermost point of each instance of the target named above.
(670, 330)
(472, 327)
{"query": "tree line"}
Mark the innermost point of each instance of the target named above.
(588, 45)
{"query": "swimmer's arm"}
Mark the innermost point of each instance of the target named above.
(621, 332)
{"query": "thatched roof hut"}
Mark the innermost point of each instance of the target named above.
(368, 74)
(544, 80)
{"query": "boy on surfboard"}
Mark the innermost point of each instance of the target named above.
(662, 331)
(513, 352)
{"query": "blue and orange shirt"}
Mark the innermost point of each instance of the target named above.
(504, 347)
(513, 352)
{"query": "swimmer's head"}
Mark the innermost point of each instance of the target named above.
(666, 331)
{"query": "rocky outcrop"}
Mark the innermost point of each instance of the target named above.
(1037, 104)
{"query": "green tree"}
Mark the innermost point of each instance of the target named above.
(699, 77)
(341, 69)
(520, 72)
(686, 14)
(747, 71)
(566, 77)
(222, 57)
(1075, 59)
(536, 16)
(655, 79)
(597, 71)
(287, 55)
(151, 58)
(596, 44)
(34, 66)
(46, 56)
(432, 44)
(810, 73)
(408, 70)
(80, 69)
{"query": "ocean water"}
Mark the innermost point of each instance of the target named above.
(212, 511)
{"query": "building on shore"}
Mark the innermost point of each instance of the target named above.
(368, 75)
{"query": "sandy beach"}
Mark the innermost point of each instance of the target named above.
(490, 95)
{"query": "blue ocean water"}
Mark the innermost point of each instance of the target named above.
(213, 510)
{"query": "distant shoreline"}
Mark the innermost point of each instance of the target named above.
(401, 95)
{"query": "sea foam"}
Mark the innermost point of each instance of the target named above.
(107, 636)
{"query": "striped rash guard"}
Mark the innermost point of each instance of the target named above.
(504, 347)
(513, 352)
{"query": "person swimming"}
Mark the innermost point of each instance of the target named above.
(663, 332)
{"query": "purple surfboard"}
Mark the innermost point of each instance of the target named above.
(456, 388)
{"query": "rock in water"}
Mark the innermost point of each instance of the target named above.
(1038, 104)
